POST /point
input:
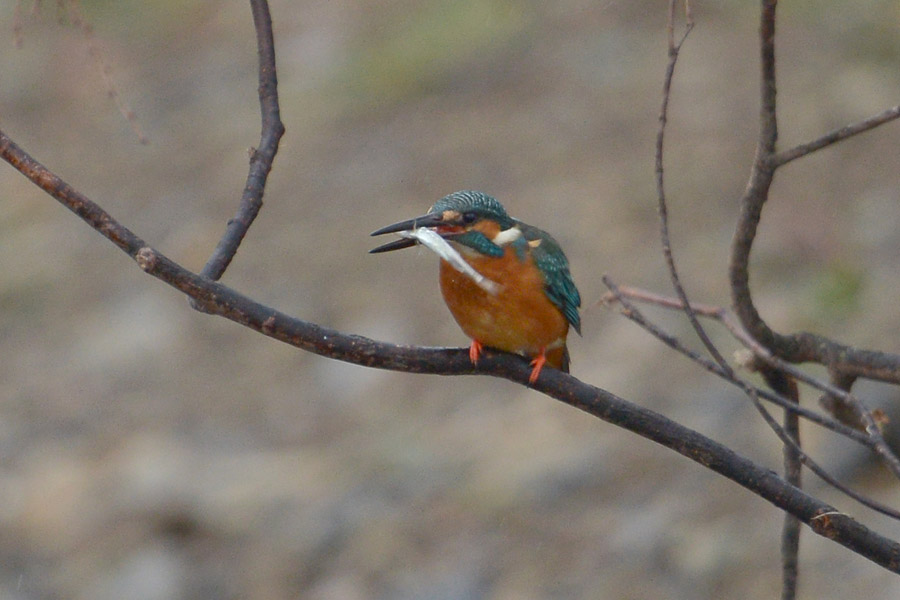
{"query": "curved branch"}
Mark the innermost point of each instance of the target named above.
(662, 205)
(261, 158)
(757, 191)
(218, 299)
(841, 360)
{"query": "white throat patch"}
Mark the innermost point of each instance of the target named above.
(507, 236)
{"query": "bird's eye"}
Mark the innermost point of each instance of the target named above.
(469, 217)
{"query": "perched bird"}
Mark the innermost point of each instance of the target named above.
(534, 301)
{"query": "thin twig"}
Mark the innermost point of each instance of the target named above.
(874, 439)
(814, 466)
(106, 70)
(632, 313)
(880, 445)
(832, 137)
(662, 208)
(786, 386)
(722, 315)
(17, 25)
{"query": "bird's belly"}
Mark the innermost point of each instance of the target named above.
(519, 318)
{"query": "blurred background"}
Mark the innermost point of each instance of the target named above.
(148, 451)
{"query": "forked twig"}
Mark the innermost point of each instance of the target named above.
(754, 394)
(726, 320)
(841, 360)
(874, 438)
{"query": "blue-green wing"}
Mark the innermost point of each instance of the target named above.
(554, 265)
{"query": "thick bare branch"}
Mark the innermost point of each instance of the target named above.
(757, 191)
(216, 298)
(841, 360)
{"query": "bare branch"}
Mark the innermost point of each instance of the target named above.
(842, 361)
(106, 70)
(660, 185)
(261, 158)
(845, 361)
(218, 299)
(17, 24)
(785, 385)
(754, 394)
(862, 414)
(757, 191)
(832, 137)
(721, 315)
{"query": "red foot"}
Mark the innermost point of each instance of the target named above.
(475, 351)
(538, 363)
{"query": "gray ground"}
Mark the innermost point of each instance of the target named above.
(148, 451)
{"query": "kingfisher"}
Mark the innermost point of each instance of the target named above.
(533, 301)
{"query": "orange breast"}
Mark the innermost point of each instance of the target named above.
(519, 318)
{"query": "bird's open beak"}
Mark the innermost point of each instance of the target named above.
(429, 220)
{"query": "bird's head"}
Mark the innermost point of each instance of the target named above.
(471, 219)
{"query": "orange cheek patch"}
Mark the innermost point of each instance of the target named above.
(488, 228)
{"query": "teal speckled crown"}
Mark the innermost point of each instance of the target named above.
(487, 207)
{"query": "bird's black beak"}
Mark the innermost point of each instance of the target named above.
(395, 245)
(429, 220)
